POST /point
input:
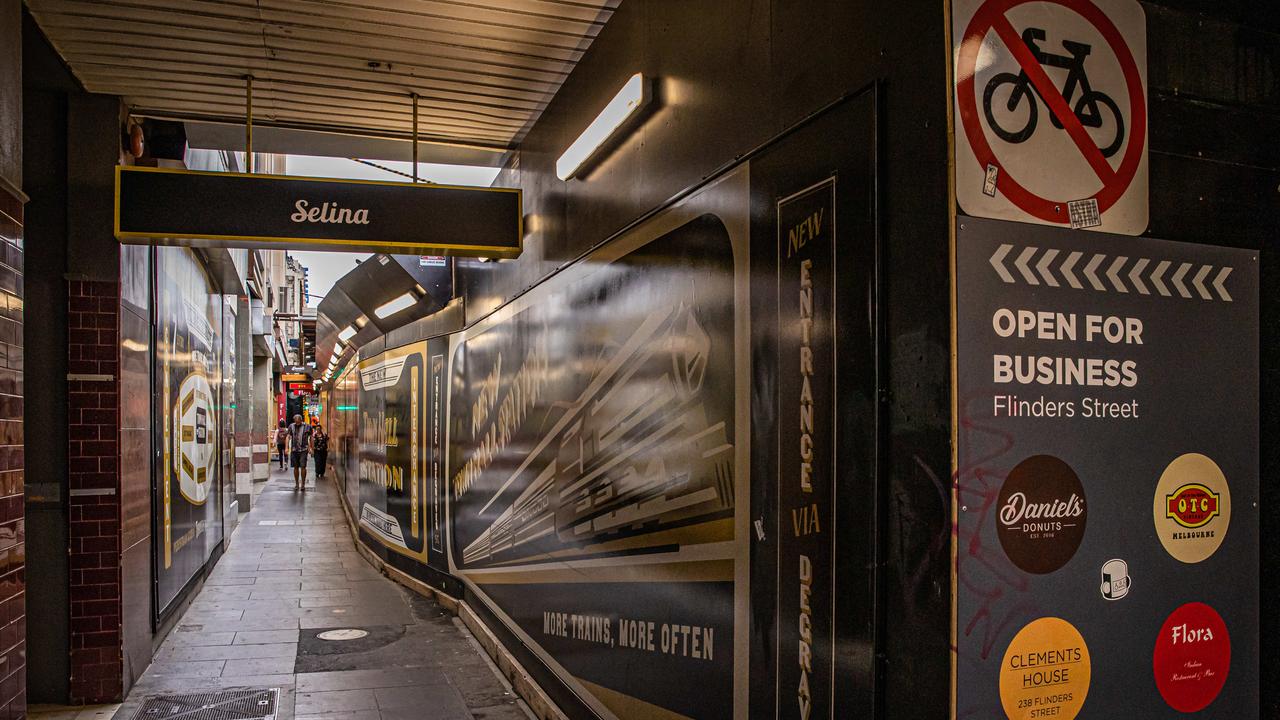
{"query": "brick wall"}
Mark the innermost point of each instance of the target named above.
(93, 422)
(13, 626)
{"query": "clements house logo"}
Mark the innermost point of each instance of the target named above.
(1193, 505)
(328, 213)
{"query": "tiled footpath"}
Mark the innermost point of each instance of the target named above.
(292, 572)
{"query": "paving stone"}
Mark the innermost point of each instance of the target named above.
(334, 701)
(258, 637)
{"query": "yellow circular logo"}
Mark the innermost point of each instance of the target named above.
(1192, 507)
(1045, 672)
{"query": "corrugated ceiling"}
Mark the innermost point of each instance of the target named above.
(484, 69)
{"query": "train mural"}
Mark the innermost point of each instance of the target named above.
(574, 464)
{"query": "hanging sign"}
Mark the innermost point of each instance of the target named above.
(162, 206)
(1051, 112)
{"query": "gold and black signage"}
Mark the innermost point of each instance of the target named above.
(807, 444)
(162, 206)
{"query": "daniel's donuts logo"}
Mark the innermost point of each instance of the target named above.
(1041, 514)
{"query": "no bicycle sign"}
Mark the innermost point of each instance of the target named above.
(1051, 112)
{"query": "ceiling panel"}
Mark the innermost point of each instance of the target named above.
(484, 69)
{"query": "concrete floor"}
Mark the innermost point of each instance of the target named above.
(292, 572)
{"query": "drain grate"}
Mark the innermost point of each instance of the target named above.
(243, 704)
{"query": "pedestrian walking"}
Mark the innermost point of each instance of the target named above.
(299, 434)
(320, 447)
(282, 438)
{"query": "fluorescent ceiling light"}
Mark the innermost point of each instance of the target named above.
(630, 99)
(347, 334)
(338, 348)
(388, 309)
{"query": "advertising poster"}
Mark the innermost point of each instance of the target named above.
(1107, 476)
(807, 453)
(392, 462)
(189, 379)
(597, 475)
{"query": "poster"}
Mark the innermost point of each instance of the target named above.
(189, 378)
(400, 448)
(806, 582)
(597, 465)
(1107, 475)
(392, 479)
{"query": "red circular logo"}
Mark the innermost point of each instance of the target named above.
(1192, 657)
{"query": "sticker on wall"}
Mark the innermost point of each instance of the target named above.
(1045, 672)
(1192, 508)
(1115, 579)
(1041, 514)
(1192, 657)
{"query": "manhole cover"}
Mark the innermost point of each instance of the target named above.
(344, 634)
(243, 704)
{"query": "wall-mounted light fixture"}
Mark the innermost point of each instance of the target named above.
(392, 307)
(624, 106)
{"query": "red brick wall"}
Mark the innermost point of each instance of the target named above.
(93, 427)
(13, 626)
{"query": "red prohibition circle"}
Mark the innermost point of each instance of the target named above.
(1043, 208)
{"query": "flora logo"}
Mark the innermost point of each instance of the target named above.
(1193, 505)
(330, 213)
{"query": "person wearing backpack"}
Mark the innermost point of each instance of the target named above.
(282, 440)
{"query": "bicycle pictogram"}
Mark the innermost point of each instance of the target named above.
(1087, 107)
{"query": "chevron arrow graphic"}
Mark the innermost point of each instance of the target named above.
(1177, 279)
(1072, 259)
(1114, 273)
(1198, 281)
(997, 262)
(1135, 276)
(1043, 267)
(1218, 283)
(1091, 270)
(1021, 263)
(1156, 277)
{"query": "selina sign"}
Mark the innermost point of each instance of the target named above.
(161, 206)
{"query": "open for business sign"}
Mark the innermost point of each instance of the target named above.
(161, 206)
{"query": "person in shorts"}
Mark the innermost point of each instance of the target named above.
(299, 434)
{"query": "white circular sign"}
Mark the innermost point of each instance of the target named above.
(195, 434)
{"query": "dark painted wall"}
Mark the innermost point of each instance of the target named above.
(46, 86)
(1214, 86)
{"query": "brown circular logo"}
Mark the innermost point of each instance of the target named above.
(1040, 514)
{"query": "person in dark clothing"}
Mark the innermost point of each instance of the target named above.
(320, 448)
(282, 438)
(299, 434)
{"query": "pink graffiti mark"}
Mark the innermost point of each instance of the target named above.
(993, 593)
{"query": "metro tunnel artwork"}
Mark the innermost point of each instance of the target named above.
(587, 490)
